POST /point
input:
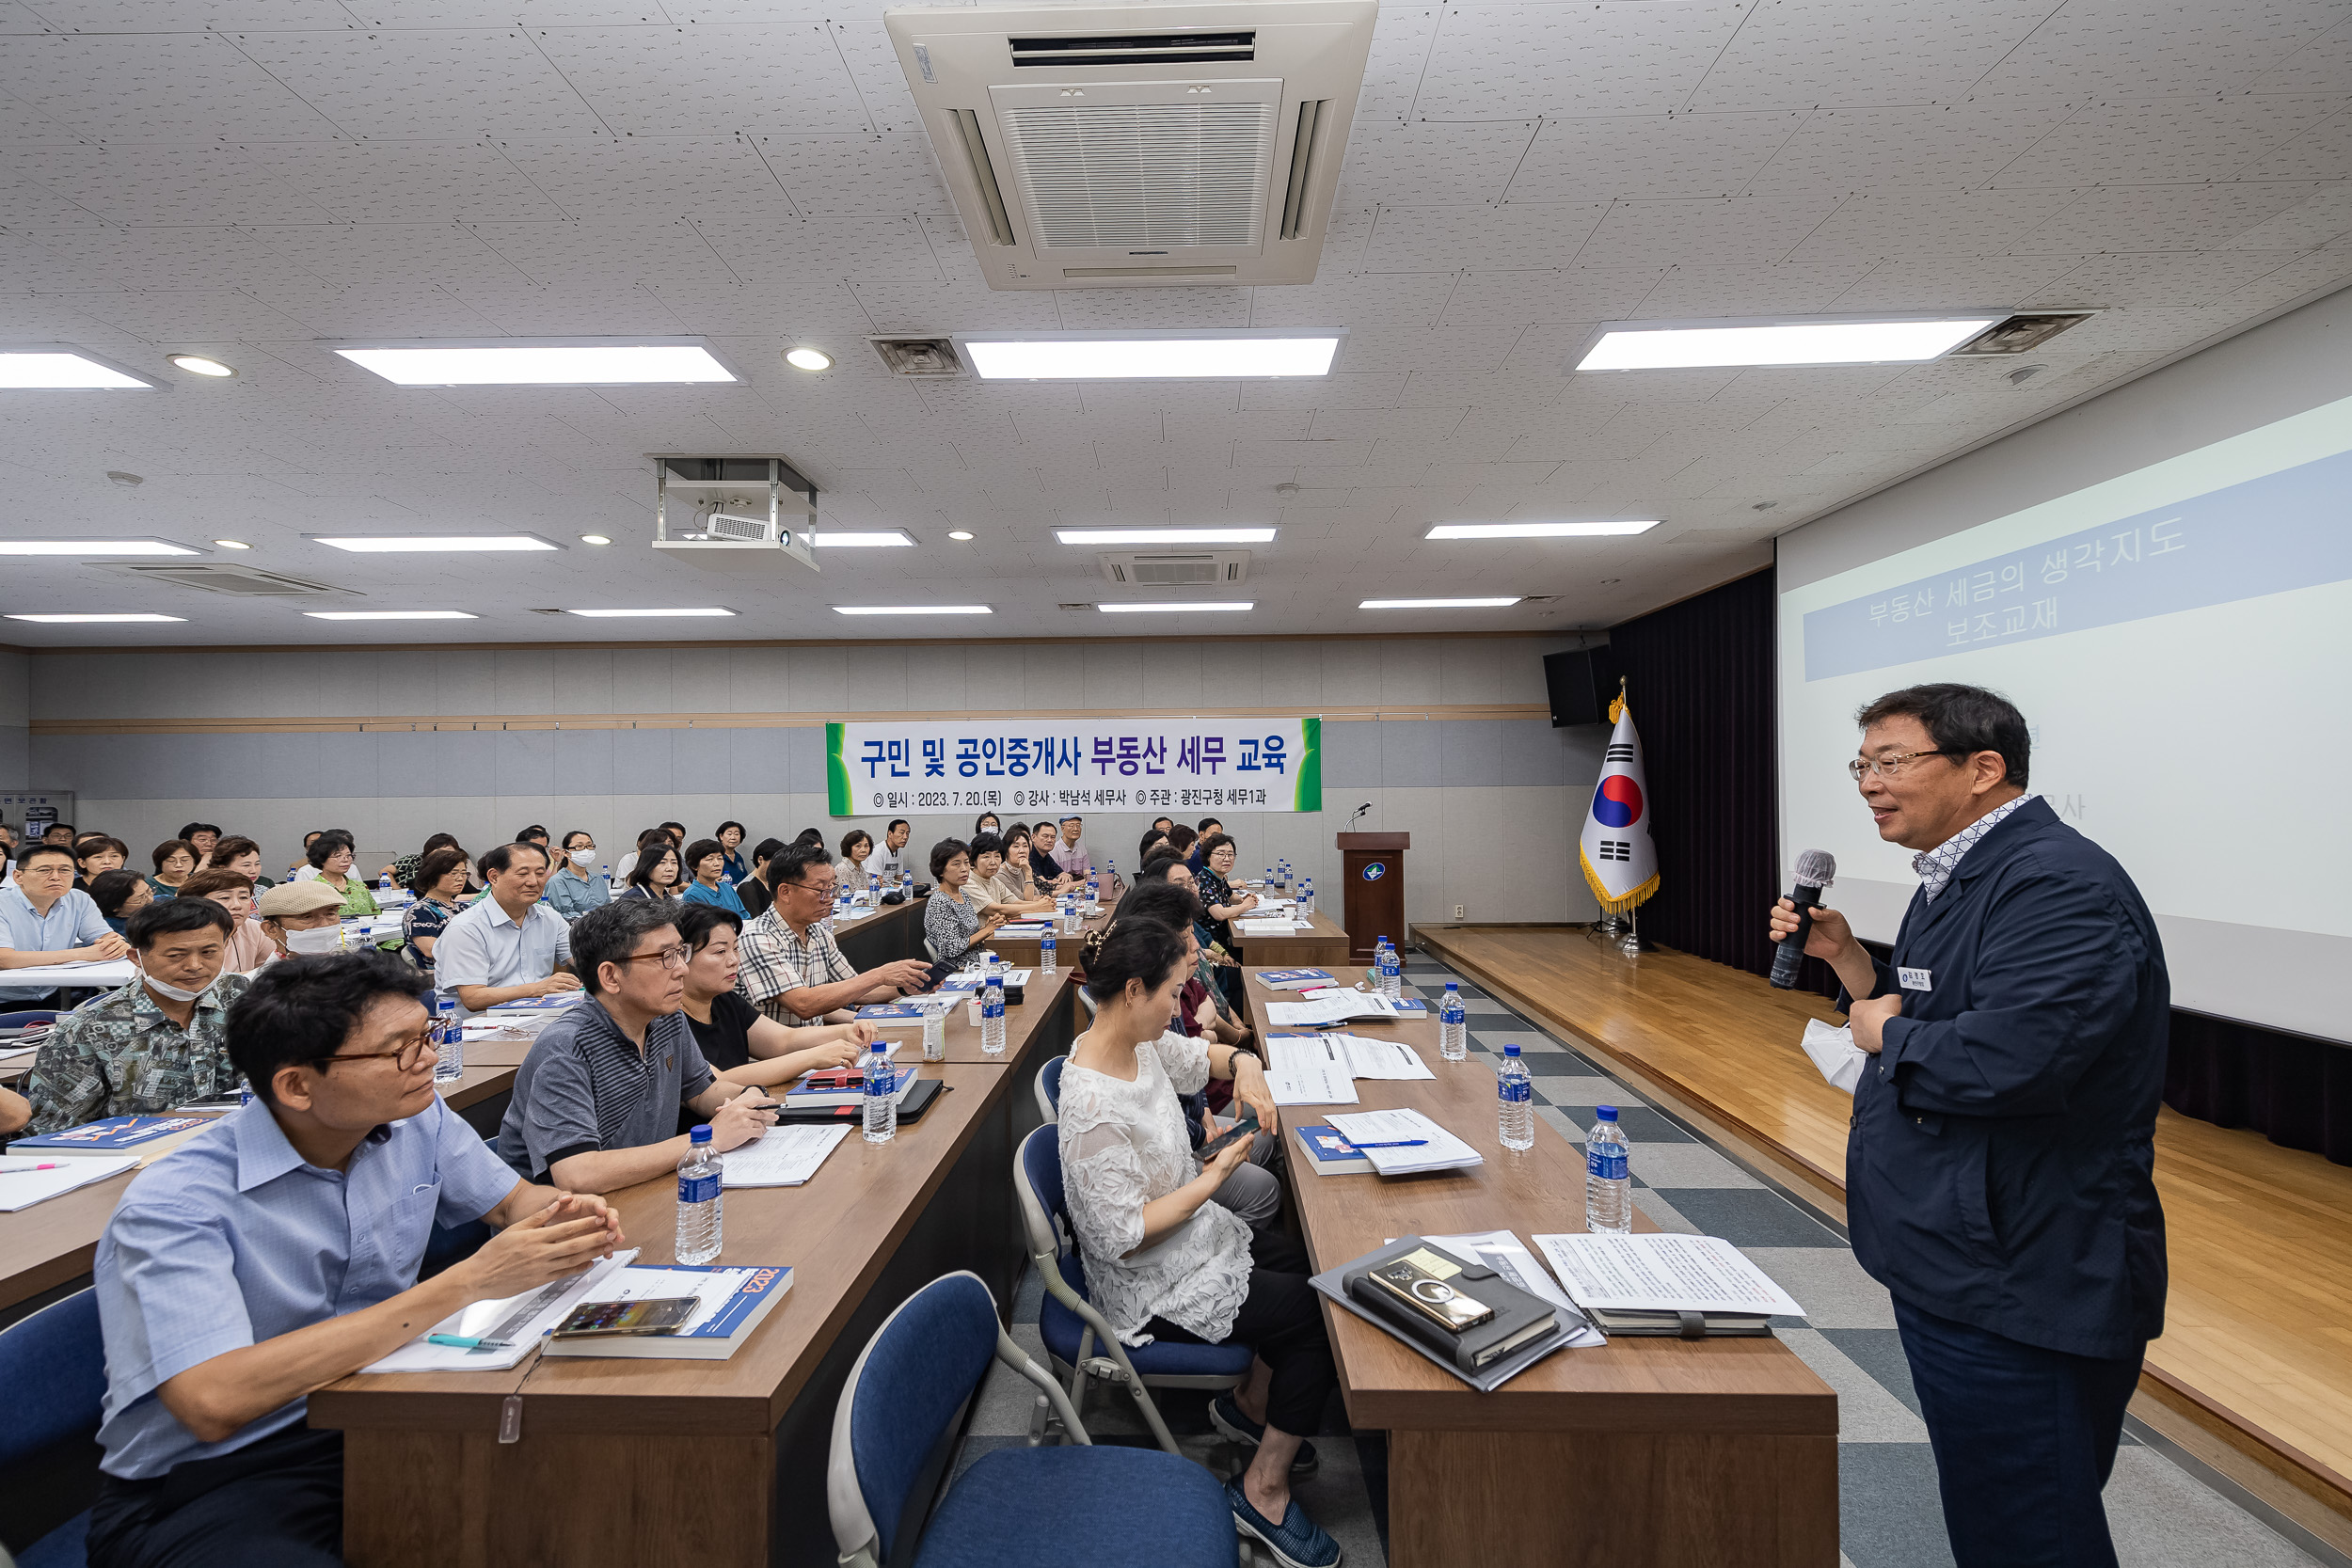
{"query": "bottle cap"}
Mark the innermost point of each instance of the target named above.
(1453, 985)
(1606, 1113)
(1513, 1050)
(700, 1134)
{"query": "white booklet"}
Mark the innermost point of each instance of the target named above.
(21, 1185)
(1664, 1272)
(1358, 1055)
(785, 1156)
(1337, 1007)
(1303, 1081)
(1401, 1142)
(514, 1325)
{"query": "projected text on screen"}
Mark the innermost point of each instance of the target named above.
(2281, 530)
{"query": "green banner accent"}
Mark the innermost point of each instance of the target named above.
(837, 801)
(1310, 797)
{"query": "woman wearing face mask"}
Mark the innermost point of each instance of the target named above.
(439, 886)
(575, 888)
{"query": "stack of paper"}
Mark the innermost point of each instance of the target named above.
(783, 1157)
(1357, 1055)
(1304, 1070)
(1280, 926)
(21, 1185)
(1662, 1273)
(1401, 1142)
(1317, 1008)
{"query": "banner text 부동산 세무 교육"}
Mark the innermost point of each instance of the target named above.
(1065, 765)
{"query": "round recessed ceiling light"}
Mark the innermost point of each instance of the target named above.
(197, 364)
(595, 539)
(233, 544)
(808, 359)
(959, 535)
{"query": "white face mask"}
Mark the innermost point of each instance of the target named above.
(174, 994)
(317, 938)
(583, 858)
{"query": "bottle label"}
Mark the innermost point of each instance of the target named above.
(698, 1189)
(1609, 1164)
(1518, 1089)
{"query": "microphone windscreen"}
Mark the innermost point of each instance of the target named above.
(1817, 869)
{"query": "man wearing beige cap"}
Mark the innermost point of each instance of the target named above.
(301, 917)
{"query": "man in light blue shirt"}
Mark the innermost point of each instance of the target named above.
(277, 1250)
(45, 919)
(507, 946)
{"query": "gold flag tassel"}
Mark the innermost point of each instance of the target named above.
(1613, 906)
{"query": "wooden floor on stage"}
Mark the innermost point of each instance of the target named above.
(2260, 1237)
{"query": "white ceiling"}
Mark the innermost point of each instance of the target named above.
(246, 178)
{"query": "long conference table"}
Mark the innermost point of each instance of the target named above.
(1642, 1451)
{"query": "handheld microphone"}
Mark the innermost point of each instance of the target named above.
(1816, 870)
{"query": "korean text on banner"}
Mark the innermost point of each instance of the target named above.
(1076, 766)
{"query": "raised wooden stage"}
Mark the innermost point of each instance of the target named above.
(2253, 1374)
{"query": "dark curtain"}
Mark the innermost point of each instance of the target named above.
(1699, 678)
(1699, 674)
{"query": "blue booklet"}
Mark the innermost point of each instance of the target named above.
(112, 1135)
(540, 1004)
(1329, 1153)
(906, 1012)
(1293, 980)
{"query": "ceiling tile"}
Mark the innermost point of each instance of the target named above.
(2159, 217)
(2133, 49)
(1624, 58)
(1650, 155)
(2322, 153)
(1400, 52)
(138, 182)
(431, 84)
(834, 176)
(2170, 142)
(1739, 229)
(1861, 52)
(1440, 239)
(406, 182)
(709, 80)
(1422, 163)
(1935, 225)
(153, 87)
(1886, 151)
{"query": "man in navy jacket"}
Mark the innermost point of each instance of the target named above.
(1999, 1166)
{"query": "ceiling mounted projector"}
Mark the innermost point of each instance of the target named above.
(1116, 146)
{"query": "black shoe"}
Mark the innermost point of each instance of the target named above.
(1225, 1413)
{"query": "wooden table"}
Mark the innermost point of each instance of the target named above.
(1645, 1451)
(1324, 946)
(52, 1244)
(719, 1464)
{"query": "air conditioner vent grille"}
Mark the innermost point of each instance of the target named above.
(242, 581)
(1155, 48)
(1143, 176)
(1176, 569)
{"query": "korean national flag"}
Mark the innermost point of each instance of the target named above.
(1620, 861)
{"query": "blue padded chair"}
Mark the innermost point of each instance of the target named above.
(1071, 1326)
(1048, 1088)
(1015, 1508)
(53, 1366)
(26, 1019)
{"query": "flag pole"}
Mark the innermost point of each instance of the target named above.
(1609, 923)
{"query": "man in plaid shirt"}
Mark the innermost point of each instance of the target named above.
(793, 971)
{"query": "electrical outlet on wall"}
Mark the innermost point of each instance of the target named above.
(1457, 912)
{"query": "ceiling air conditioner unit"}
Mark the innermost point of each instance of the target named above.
(1111, 146)
(1175, 568)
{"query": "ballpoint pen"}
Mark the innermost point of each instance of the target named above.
(460, 1341)
(1397, 1143)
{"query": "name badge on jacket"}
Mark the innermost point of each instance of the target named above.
(1914, 980)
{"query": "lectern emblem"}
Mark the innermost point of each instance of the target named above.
(1374, 872)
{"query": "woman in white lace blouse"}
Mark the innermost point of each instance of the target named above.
(1163, 1260)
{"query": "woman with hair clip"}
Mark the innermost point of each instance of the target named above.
(1166, 1256)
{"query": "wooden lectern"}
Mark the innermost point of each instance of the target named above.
(1373, 867)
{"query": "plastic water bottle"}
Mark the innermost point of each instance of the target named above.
(1453, 1024)
(384, 884)
(1094, 892)
(1391, 971)
(1307, 897)
(701, 1196)
(881, 1096)
(1071, 920)
(992, 1018)
(1110, 872)
(935, 1035)
(1608, 1178)
(1046, 961)
(449, 1041)
(1516, 1092)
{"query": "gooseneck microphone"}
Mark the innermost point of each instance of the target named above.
(1359, 812)
(1816, 870)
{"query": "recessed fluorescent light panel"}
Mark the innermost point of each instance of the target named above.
(542, 362)
(430, 544)
(93, 546)
(1150, 355)
(1537, 531)
(641, 615)
(1714, 345)
(912, 610)
(1176, 609)
(93, 619)
(882, 539)
(390, 615)
(1165, 535)
(1436, 604)
(60, 367)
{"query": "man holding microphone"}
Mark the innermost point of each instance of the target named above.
(1998, 1167)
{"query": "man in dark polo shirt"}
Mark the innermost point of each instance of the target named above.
(596, 1101)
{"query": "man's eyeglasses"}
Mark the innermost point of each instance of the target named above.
(669, 958)
(825, 889)
(408, 1056)
(1888, 767)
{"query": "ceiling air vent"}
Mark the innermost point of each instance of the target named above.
(1100, 145)
(1175, 568)
(2020, 333)
(930, 359)
(249, 582)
